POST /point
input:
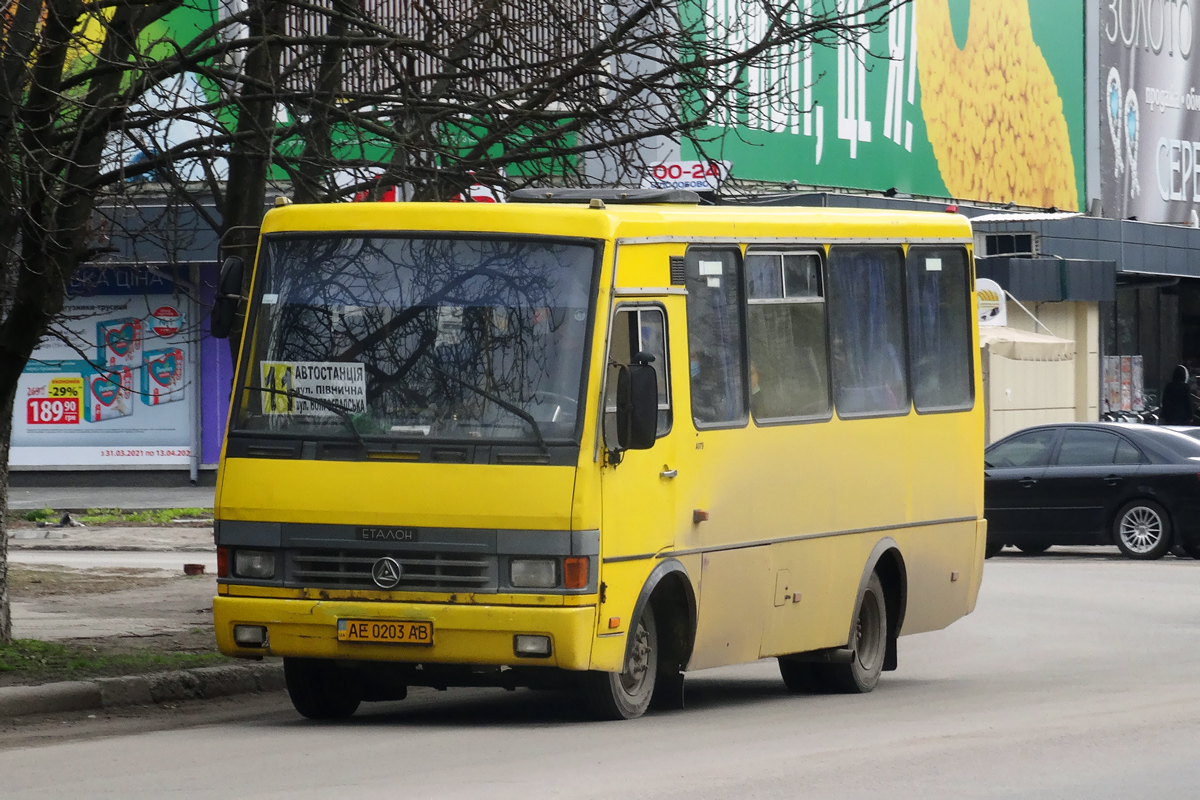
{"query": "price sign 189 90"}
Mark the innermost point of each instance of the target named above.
(57, 411)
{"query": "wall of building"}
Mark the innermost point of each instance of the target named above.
(1024, 393)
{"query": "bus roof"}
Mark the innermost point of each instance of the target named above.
(729, 222)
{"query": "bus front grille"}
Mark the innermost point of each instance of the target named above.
(422, 571)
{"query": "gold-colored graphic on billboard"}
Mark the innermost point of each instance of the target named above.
(992, 110)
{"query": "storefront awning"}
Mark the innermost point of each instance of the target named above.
(1019, 345)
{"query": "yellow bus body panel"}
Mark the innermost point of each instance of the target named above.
(462, 634)
(383, 493)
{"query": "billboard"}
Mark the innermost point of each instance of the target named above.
(1150, 110)
(967, 99)
(117, 388)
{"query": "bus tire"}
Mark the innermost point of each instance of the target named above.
(627, 694)
(800, 677)
(869, 646)
(318, 689)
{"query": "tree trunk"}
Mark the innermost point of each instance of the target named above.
(6, 411)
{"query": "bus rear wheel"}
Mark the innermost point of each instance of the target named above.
(868, 643)
(318, 689)
(627, 694)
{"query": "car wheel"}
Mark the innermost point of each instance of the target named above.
(626, 694)
(869, 645)
(992, 548)
(1033, 549)
(319, 690)
(1142, 530)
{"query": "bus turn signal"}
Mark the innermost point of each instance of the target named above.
(575, 572)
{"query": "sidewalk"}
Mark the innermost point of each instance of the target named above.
(61, 498)
(180, 538)
(109, 590)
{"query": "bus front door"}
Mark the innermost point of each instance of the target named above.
(639, 487)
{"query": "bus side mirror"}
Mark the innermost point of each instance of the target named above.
(637, 407)
(229, 291)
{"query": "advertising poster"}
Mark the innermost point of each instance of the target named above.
(1150, 110)
(966, 99)
(1137, 398)
(110, 391)
(1126, 383)
(1111, 394)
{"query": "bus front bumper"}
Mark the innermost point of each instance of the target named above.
(462, 634)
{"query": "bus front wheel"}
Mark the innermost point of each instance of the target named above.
(627, 694)
(318, 688)
(868, 643)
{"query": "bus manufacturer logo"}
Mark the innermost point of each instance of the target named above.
(386, 572)
(386, 534)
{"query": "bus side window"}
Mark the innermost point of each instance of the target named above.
(715, 336)
(939, 332)
(785, 323)
(637, 329)
(866, 330)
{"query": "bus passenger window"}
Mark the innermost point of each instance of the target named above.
(637, 329)
(785, 321)
(866, 329)
(714, 286)
(939, 332)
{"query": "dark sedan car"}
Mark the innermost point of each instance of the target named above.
(1135, 486)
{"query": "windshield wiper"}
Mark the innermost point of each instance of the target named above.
(340, 410)
(507, 406)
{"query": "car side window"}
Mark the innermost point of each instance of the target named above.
(1087, 448)
(1127, 453)
(1027, 450)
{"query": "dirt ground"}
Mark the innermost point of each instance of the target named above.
(111, 612)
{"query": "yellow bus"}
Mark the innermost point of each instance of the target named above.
(597, 441)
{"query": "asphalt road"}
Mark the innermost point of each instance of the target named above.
(1076, 677)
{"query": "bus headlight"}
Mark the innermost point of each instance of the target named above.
(533, 573)
(258, 564)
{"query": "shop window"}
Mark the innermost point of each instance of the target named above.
(939, 328)
(1003, 244)
(785, 320)
(866, 324)
(715, 337)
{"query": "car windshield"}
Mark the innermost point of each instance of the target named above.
(406, 337)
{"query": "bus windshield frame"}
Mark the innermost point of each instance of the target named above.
(432, 337)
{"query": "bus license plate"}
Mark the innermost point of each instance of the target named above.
(385, 631)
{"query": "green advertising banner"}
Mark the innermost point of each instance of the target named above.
(967, 99)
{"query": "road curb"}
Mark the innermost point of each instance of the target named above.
(202, 683)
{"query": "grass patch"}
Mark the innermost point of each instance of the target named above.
(153, 516)
(35, 661)
(115, 516)
(41, 515)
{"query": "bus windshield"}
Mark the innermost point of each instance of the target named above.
(429, 338)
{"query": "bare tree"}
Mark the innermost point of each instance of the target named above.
(332, 99)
